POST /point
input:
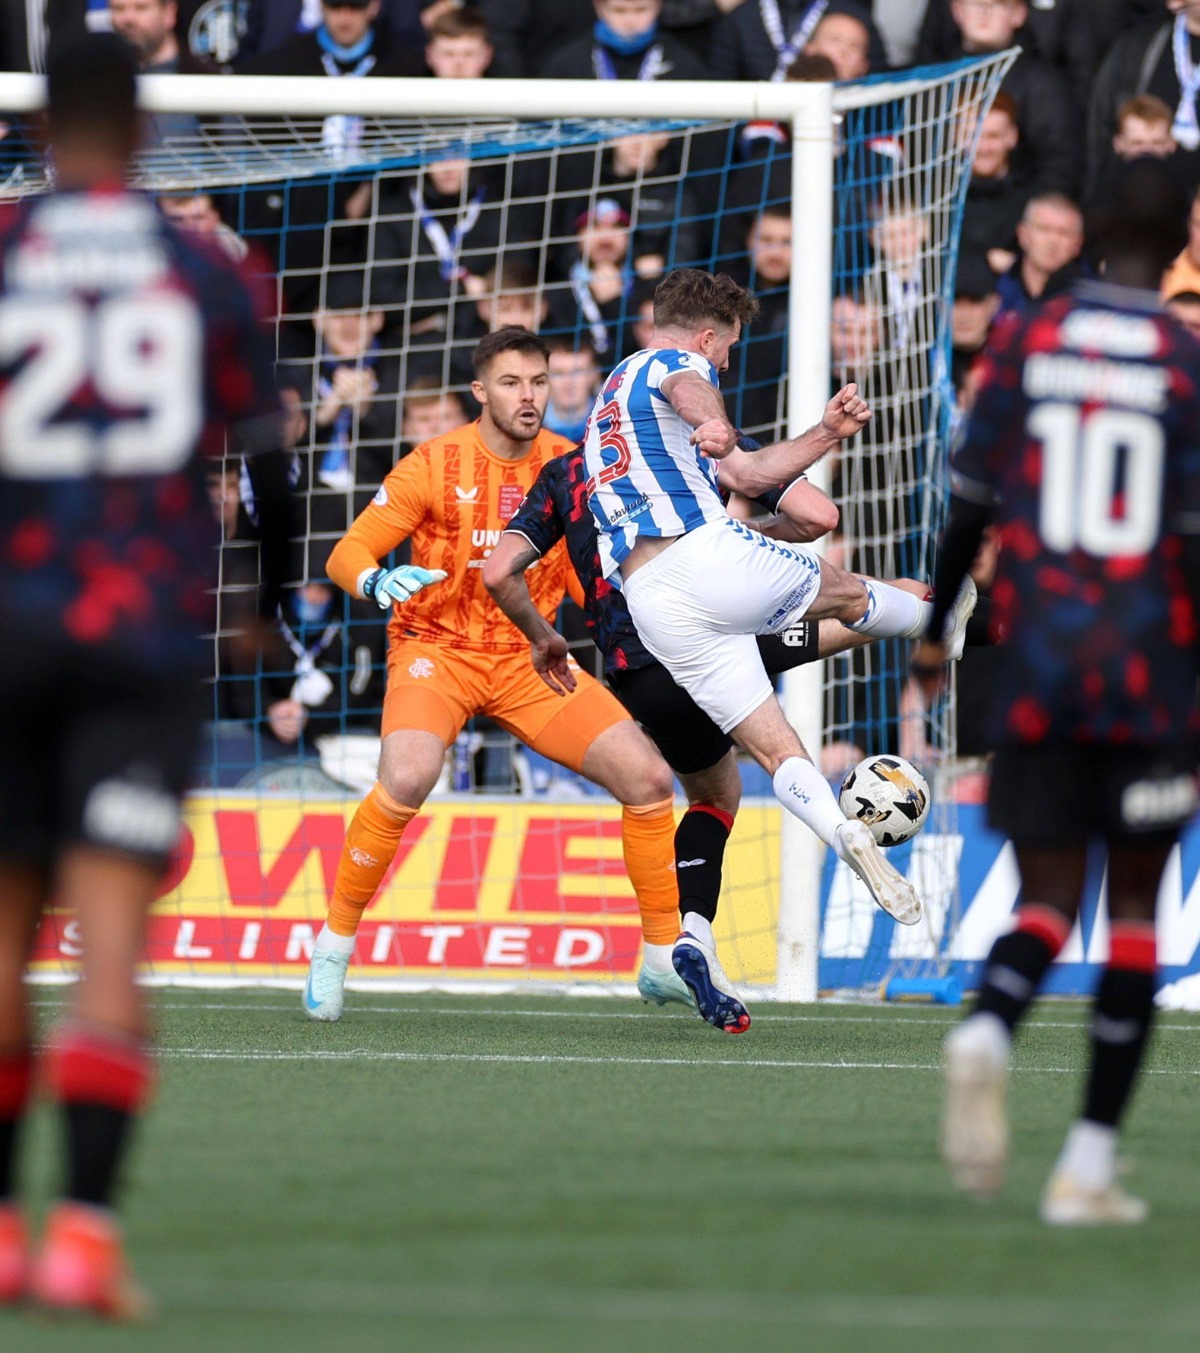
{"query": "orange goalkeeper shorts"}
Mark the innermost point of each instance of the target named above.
(436, 690)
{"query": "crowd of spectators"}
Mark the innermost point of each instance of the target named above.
(386, 280)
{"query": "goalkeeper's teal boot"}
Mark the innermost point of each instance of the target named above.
(324, 992)
(663, 988)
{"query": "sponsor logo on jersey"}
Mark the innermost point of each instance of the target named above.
(466, 495)
(420, 667)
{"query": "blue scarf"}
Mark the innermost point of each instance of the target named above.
(619, 43)
(345, 54)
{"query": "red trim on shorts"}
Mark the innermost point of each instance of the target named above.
(86, 1067)
(724, 818)
(1133, 947)
(1046, 923)
(16, 1084)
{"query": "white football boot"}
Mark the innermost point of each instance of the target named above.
(890, 889)
(324, 992)
(974, 1137)
(956, 622)
(1067, 1202)
(663, 988)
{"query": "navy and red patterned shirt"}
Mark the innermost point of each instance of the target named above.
(556, 508)
(126, 354)
(1084, 446)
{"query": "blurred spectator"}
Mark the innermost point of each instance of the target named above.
(1184, 274)
(349, 41)
(995, 200)
(149, 28)
(845, 41)
(976, 303)
(510, 295)
(625, 44)
(1160, 57)
(1067, 34)
(435, 238)
(896, 286)
(459, 47)
(759, 41)
(758, 364)
(574, 380)
(22, 36)
(1049, 150)
(196, 212)
(855, 338)
(1143, 128)
(601, 275)
(354, 398)
(1050, 239)
(1185, 306)
(641, 319)
(524, 30)
(642, 174)
(272, 23)
(428, 411)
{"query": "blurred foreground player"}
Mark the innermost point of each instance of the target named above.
(125, 354)
(1084, 449)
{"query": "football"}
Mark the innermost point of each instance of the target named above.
(890, 795)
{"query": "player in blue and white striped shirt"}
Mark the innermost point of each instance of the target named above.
(659, 450)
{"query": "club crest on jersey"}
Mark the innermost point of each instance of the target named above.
(511, 498)
(380, 499)
(466, 495)
(420, 667)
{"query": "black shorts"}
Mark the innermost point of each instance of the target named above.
(1065, 793)
(96, 748)
(679, 728)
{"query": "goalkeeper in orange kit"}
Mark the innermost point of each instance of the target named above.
(452, 654)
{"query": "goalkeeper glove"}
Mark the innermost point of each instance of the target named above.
(394, 586)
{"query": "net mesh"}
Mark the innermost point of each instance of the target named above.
(392, 246)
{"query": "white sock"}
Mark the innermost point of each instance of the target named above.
(656, 957)
(331, 942)
(1089, 1154)
(805, 793)
(892, 613)
(699, 928)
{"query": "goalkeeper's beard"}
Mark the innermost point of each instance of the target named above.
(518, 428)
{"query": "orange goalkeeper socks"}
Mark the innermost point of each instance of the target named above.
(648, 839)
(372, 840)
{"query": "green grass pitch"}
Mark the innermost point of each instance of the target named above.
(531, 1173)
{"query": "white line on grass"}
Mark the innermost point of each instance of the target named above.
(551, 1059)
(860, 1310)
(482, 1011)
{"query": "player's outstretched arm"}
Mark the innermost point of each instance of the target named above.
(504, 578)
(804, 514)
(756, 472)
(388, 520)
(701, 406)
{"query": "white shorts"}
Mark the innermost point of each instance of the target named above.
(699, 605)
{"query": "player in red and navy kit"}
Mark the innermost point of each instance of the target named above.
(126, 354)
(1084, 450)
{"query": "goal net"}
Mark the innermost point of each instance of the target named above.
(395, 223)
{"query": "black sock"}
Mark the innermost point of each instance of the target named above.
(8, 1156)
(699, 852)
(1014, 971)
(97, 1137)
(1121, 1018)
(979, 627)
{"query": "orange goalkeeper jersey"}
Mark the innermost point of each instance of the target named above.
(454, 497)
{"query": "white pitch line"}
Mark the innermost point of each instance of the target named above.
(551, 1059)
(853, 1310)
(614, 1014)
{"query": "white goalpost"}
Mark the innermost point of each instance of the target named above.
(480, 897)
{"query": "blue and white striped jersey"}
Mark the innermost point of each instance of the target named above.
(644, 475)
